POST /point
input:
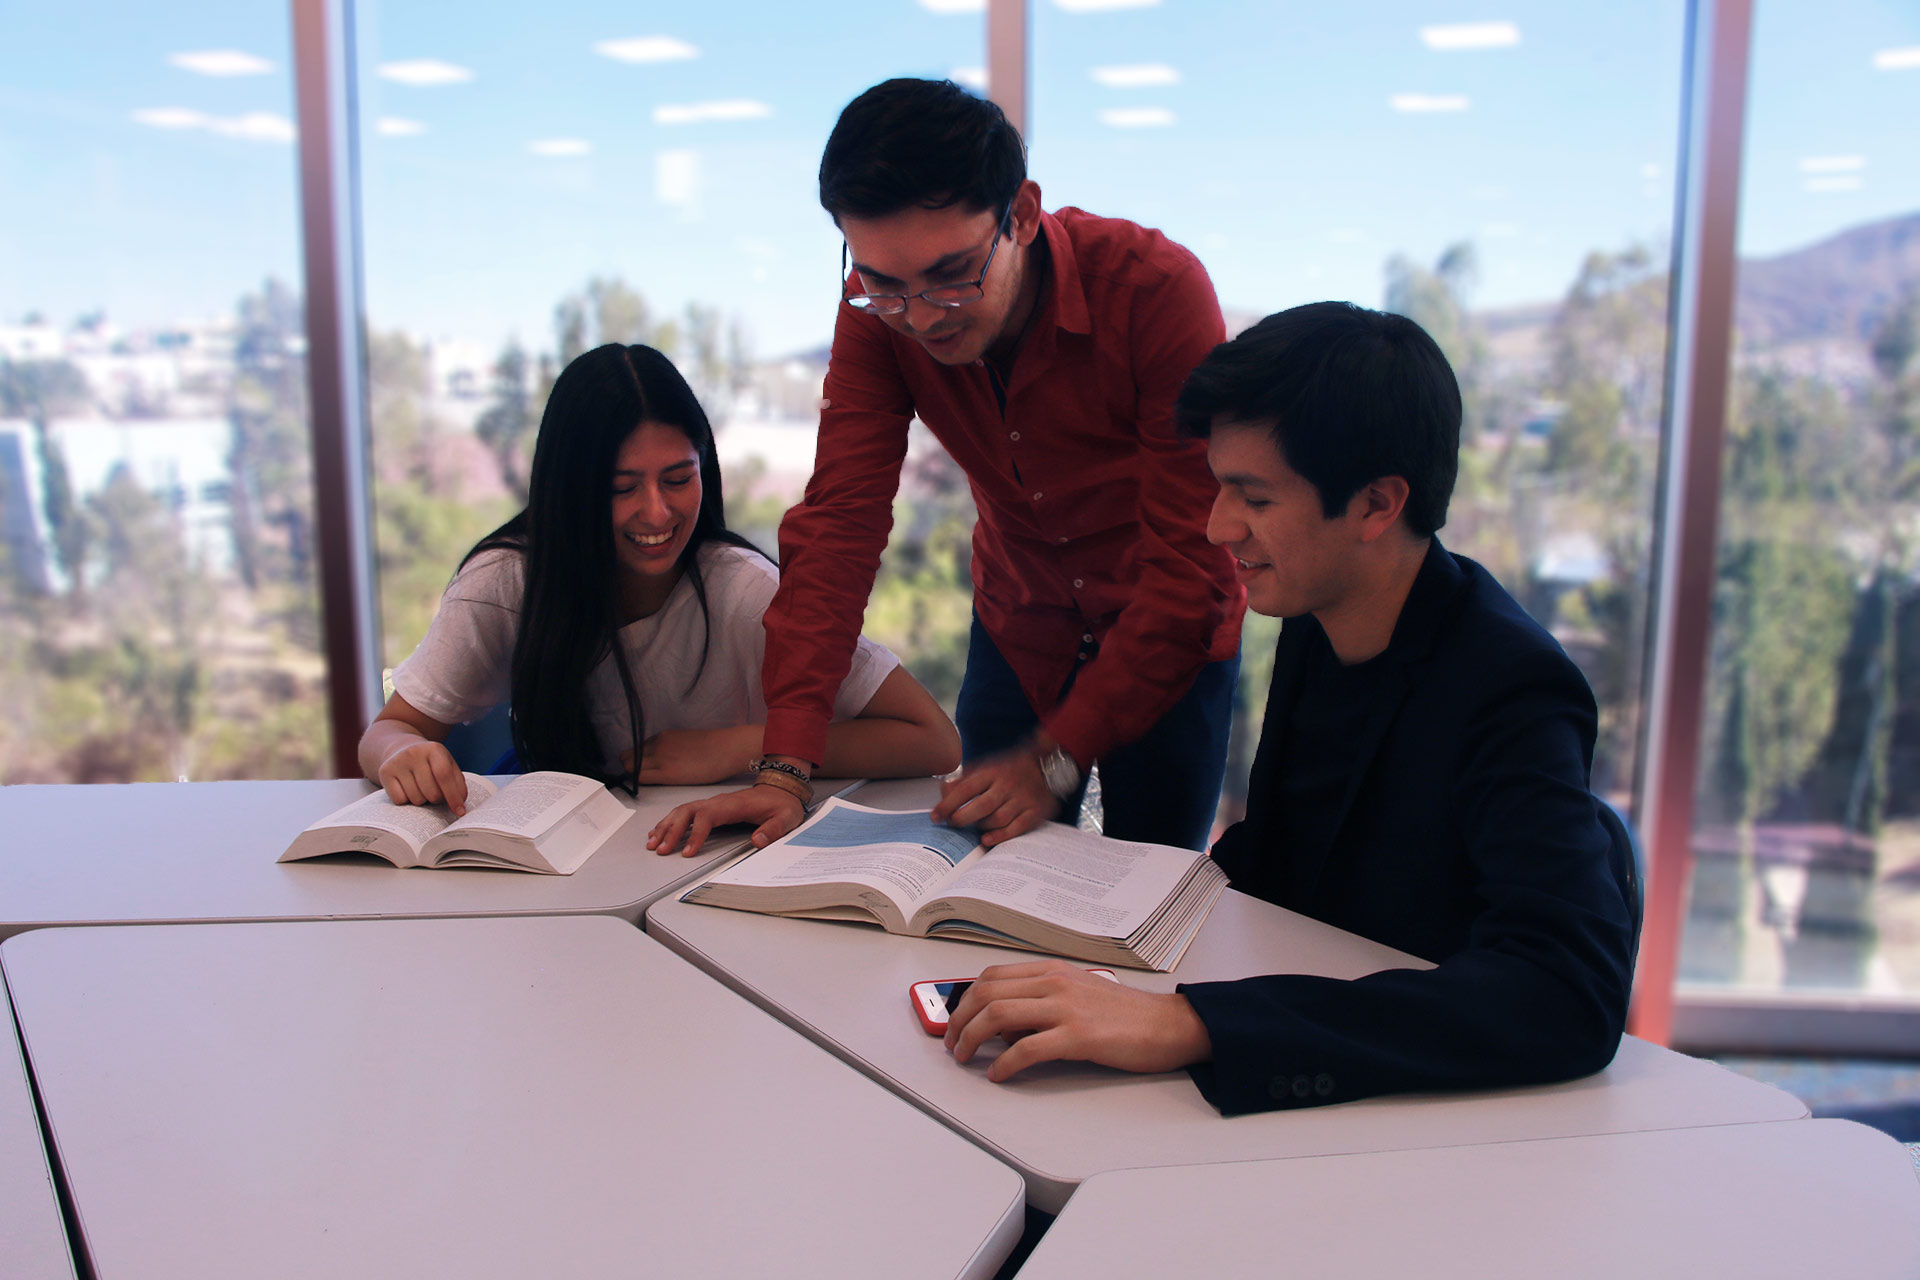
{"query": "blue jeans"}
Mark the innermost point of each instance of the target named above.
(1163, 788)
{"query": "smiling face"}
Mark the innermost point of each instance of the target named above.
(918, 249)
(656, 498)
(1291, 557)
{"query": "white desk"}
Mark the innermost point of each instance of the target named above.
(475, 1098)
(199, 852)
(33, 1239)
(845, 986)
(1757, 1201)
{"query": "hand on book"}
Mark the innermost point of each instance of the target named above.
(425, 773)
(1055, 1010)
(775, 812)
(1004, 796)
(695, 757)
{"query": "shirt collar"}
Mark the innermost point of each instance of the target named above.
(1065, 303)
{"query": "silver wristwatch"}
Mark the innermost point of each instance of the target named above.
(1059, 772)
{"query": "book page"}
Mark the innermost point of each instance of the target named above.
(528, 805)
(1071, 878)
(902, 855)
(413, 823)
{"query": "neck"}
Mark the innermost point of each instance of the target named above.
(1361, 625)
(1033, 270)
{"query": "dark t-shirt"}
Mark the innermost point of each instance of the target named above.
(1318, 759)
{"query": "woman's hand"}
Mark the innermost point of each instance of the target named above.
(424, 773)
(693, 757)
(775, 811)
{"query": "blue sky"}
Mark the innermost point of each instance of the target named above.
(1274, 139)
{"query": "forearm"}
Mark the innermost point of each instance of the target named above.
(882, 747)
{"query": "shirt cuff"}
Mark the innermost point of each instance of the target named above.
(801, 734)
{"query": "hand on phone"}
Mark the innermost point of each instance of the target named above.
(936, 1001)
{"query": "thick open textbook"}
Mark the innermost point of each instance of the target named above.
(1056, 889)
(545, 822)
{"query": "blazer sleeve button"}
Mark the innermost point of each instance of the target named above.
(1302, 1086)
(1323, 1085)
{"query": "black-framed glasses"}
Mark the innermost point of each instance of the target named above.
(946, 295)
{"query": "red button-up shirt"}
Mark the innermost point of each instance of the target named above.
(1092, 512)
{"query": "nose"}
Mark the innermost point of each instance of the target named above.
(653, 505)
(927, 317)
(1222, 525)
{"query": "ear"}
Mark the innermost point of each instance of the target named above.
(1026, 213)
(1378, 505)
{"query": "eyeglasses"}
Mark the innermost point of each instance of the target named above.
(946, 295)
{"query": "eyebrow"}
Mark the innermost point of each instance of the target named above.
(943, 265)
(1244, 480)
(674, 466)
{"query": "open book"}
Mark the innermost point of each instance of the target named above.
(545, 822)
(1055, 889)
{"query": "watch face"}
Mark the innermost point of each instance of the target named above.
(1060, 773)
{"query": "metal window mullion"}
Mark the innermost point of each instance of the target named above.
(1699, 351)
(336, 369)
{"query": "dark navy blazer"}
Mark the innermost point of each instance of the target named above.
(1468, 837)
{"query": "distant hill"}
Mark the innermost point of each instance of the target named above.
(1836, 289)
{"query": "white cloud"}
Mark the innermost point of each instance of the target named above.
(1097, 6)
(1457, 36)
(1136, 117)
(676, 178)
(972, 77)
(646, 49)
(255, 126)
(221, 62)
(1500, 230)
(560, 147)
(424, 72)
(954, 6)
(1347, 235)
(1832, 164)
(1649, 170)
(1419, 103)
(1139, 75)
(700, 112)
(396, 127)
(1906, 59)
(171, 118)
(1835, 182)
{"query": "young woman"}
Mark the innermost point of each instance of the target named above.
(620, 620)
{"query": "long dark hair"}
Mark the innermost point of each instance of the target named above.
(569, 605)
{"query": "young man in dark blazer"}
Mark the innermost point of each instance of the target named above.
(1422, 772)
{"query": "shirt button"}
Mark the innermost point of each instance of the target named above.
(1077, 584)
(1063, 542)
(1087, 638)
(1037, 496)
(1014, 436)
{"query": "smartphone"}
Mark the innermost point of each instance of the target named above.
(936, 1001)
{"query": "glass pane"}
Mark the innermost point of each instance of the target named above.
(158, 617)
(1807, 847)
(1507, 184)
(538, 180)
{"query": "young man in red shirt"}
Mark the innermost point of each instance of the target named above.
(1044, 352)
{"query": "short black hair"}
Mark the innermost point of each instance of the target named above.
(925, 143)
(1351, 395)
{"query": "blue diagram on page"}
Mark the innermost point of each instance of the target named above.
(847, 829)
